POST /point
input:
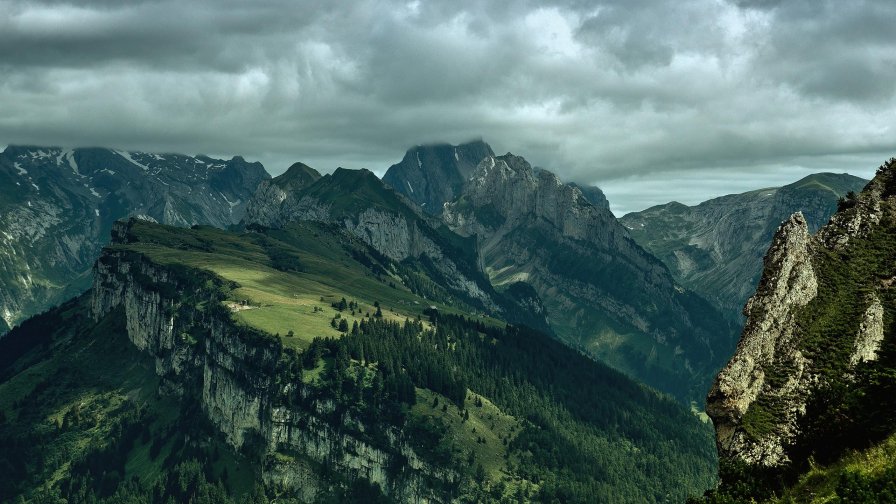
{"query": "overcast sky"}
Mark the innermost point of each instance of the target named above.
(652, 100)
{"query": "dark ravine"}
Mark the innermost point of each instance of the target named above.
(812, 375)
(716, 248)
(242, 380)
(58, 205)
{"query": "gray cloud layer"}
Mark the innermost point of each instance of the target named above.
(653, 100)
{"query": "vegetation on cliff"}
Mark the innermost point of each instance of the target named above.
(828, 397)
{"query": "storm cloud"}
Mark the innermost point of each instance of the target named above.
(653, 100)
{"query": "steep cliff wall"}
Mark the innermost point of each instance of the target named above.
(246, 383)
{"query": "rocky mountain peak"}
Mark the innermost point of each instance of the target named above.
(788, 283)
(350, 177)
(510, 186)
(296, 177)
(790, 279)
(531, 227)
(593, 195)
(430, 175)
(264, 207)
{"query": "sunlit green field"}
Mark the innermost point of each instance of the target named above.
(296, 305)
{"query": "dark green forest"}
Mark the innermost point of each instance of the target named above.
(156, 448)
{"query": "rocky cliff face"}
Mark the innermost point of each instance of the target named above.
(431, 175)
(716, 247)
(807, 369)
(788, 284)
(57, 207)
(594, 195)
(266, 204)
(601, 290)
(242, 380)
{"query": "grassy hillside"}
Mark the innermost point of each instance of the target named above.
(864, 476)
(288, 280)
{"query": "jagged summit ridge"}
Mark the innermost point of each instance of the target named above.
(511, 186)
(431, 175)
(265, 205)
(361, 204)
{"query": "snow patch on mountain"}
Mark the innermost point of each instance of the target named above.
(127, 156)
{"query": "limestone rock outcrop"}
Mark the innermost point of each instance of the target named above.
(814, 329)
(767, 343)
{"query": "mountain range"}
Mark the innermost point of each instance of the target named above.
(453, 332)
(716, 248)
(57, 208)
(602, 291)
(432, 175)
(297, 362)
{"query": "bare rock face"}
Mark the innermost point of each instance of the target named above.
(871, 333)
(431, 175)
(266, 206)
(857, 222)
(788, 283)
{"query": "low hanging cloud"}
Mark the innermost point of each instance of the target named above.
(653, 100)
